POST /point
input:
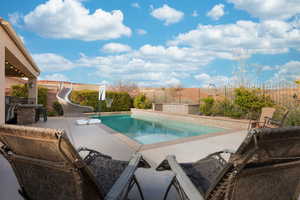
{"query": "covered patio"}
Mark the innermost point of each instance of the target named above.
(15, 61)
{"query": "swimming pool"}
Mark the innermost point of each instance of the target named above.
(149, 131)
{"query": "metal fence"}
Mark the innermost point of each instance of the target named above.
(282, 93)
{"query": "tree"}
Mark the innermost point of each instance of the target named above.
(125, 86)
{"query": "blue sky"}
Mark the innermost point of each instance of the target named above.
(160, 42)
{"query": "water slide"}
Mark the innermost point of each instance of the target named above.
(71, 109)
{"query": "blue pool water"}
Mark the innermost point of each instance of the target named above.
(147, 130)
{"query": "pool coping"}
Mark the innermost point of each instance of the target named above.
(136, 146)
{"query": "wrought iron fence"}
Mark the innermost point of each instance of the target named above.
(283, 93)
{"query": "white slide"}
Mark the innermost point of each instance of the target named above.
(71, 109)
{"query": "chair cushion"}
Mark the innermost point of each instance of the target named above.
(107, 171)
(203, 172)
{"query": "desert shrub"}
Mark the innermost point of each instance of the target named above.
(121, 100)
(22, 91)
(293, 119)
(249, 101)
(57, 108)
(141, 102)
(207, 105)
(247, 104)
(226, 108)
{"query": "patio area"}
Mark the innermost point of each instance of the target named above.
(96, 137)
(16, 62)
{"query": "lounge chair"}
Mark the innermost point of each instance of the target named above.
(272, 123)
(266, 113)
(266, 166)
(48, 167)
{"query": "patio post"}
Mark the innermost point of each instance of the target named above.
(32, 89)
(2, 85)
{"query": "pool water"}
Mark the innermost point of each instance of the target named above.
(148, 131)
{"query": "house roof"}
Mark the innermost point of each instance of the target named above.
(16, 39)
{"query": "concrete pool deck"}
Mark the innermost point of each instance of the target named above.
(94, 136)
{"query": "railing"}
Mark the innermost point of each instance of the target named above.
(283, 93)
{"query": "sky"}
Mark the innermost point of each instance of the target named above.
(160, 43)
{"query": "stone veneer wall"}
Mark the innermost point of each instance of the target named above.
(26, 115)
(177, 108)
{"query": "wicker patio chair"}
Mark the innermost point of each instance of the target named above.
(266, 113)
(272, 123)
(266, 166)
(48, 167)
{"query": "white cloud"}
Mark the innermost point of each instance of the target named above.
(167, 14)
(267, 37)
(269, 9)
(141, 31)
(207, 80)
(56, 77)
(135, 5)
(289, 71)
(202, 77)
(71, 20)
(195, 13)
(50, 62)
(104, 82)
(149, 65)
(15, 18)
(216, 12)
(172, 82)
(115, 48)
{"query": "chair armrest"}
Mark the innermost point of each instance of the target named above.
(125, 178)
(184, 182)
(273, 121)
(92, 154)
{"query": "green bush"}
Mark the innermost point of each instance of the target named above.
(293, 118)
(141, 102)
(19, 90)
(226, 108)
(42, 96)
(22, 91)
(207, 106)
(121, 100)
(250, 101)
(51, 113)
(57, 108)
(247, 104)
